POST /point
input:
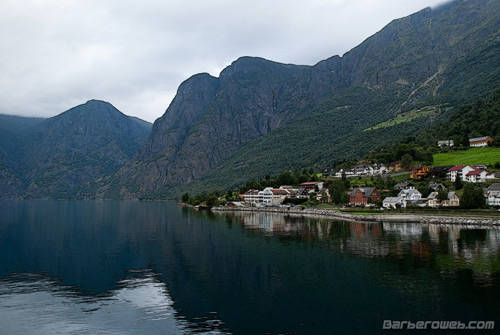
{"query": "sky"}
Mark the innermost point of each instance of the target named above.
(134, 54)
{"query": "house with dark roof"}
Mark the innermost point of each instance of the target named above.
(364, 195)
(478, 142)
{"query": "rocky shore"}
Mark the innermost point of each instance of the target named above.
(402, 217)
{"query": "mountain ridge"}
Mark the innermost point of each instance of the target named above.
(411, 62)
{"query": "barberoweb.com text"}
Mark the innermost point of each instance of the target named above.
(418, 325)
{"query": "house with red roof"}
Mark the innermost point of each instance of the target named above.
(478, 176)
(467, 173)
(459, 171)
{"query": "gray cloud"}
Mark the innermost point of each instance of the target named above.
(58, 54)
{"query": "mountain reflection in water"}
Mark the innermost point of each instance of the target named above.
(154, 268)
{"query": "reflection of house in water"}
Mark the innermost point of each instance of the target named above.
(268, 222)
(405, 230)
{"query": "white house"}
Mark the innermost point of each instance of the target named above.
(393, 202)
(411, 196)
(446, 143)
(493, 195)
(460, 171)
(478, 176)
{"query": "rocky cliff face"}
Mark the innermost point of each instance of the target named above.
(254, 102)
(212, 117)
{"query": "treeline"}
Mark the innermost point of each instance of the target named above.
(215, 198)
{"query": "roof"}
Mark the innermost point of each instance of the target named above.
(475, 172)
(479, 139)
(457, 168)
(310, 183)
(392, 200)
(277, 191)
(367, 191)
(494, 187)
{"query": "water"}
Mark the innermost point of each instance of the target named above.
(155, 268)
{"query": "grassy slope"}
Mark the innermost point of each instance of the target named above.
(488, 156)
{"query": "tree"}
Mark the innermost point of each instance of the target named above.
(185, 197)
(442, 195)
(458, 183)
(473, 197)
(406, 161)
(338, 192)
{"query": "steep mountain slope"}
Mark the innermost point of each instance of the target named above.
(447, 56)
(87, 142)
(262, 117)
(211, 117)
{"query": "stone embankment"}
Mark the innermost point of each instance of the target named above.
(403, 217)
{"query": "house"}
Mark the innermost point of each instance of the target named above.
(364, 195)
(492, 195)
(445, 143)
(252, 197)
(268, 196)
(363, 170)
(379, 169)
(478, 176)
(420, 171)
(278, 195)
(349, 173)
(480, 141)
(439, 171)
(412, 195)
(395, 166)
(404, 186)
(433, 185)
(311, 185)
(452, 201)
(394, 202)
(459, 171)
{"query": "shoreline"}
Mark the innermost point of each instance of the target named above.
(411, 218)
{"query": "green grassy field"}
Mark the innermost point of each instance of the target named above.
(488, 156)
(404, 117)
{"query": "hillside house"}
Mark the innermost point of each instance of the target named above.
(420, 171)
(478, 176)
(439, 171)
(445, 143)
(452, 201)
(479, 142)
(404, 186)
(364, 195)
(492, 195)
(459, 171)
(395, 166)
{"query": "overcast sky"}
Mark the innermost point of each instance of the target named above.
(57, 54)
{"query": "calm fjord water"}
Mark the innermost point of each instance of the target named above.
(155, 268)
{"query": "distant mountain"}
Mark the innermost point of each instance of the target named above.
(63, 154)
(263, 117)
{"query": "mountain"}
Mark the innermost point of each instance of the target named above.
(62, 154)
(262, 117)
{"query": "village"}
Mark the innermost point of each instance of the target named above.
(420, 186)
